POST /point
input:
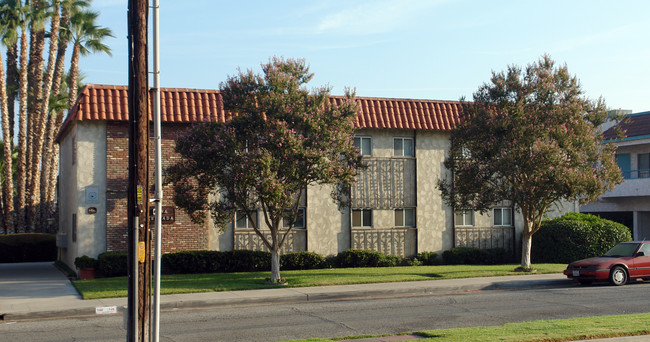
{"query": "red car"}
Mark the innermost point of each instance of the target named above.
(625, 261)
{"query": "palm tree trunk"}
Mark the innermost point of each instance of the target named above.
(41, 115)
(22, 134)
(8, 204)
(11, 87)
(55, 119)
(74, 74)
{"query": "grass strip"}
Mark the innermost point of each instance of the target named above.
(581, 328)
(192, 283)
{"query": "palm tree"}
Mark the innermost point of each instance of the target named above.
(9, 22)
(40, 112)
(15, 16)
(58, 104)
(86, 38)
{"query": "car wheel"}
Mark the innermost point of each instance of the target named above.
(585, 282)
(618, 276)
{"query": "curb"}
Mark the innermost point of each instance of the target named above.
(294, 295)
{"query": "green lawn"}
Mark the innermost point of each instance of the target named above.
(542, 330)
(189, 283)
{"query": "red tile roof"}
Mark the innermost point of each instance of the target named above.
(107, 102)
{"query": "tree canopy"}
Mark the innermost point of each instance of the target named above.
(281, 139)
(529, 137)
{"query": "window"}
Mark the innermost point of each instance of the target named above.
(403, 147)
(465, 218)
(74, 227)
(362, 218)
(364, 144)
(74, 149)
(405, 217)
(644, 165)
(623, 161)
(645, 249)
(242, 221)
(299, 222)
(502, 216)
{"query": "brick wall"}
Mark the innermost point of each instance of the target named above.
(180, 236)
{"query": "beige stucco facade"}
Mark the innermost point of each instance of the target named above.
(82, 186)
(390, 184)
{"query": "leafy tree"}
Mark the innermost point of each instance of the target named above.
(529, 137)
(281, 139)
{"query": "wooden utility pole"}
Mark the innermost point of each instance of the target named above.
(139, 254)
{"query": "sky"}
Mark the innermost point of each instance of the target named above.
(418, 49)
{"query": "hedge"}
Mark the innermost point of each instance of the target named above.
(215, 262)
(576, 236)
(475, 256)
(302, 261)
(30, 247)
(428, 258)
(364, 258)
(112, 264)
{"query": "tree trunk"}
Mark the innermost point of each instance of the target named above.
(8, 198)
(41, 111)
(275, 264)
(526, 239)
(74, 74)
(526, 244)
(51, 157)
(11, 88)
(22, 135)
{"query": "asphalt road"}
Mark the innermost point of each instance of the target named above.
(354, 317)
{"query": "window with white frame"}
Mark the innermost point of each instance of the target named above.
(465, 218)
(405, 217)
(298, 223)
(242, 220)
(361, 218)
(364, 144)
(403, 147)
(502, 216)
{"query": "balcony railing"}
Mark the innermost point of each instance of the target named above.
(636, 174)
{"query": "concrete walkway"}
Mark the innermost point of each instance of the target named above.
(30, 291)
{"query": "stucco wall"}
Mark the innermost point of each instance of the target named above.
(67, 193)
(328, 229)
(83, 186)
(434, 217)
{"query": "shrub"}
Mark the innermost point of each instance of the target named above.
(84, 262)
(27, 247)
(215, 262)
(428, 258)
(363, 258)
(576, 236)
(475, 256)
(112, 264)
(302, 261)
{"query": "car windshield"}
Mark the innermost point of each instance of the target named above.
(622, 250)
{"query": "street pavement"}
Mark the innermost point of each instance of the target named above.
(34, 291)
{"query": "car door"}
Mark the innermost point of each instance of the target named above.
(641, 266)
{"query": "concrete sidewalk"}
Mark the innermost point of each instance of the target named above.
(40, 291)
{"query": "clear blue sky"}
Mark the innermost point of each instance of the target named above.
(401, 49)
